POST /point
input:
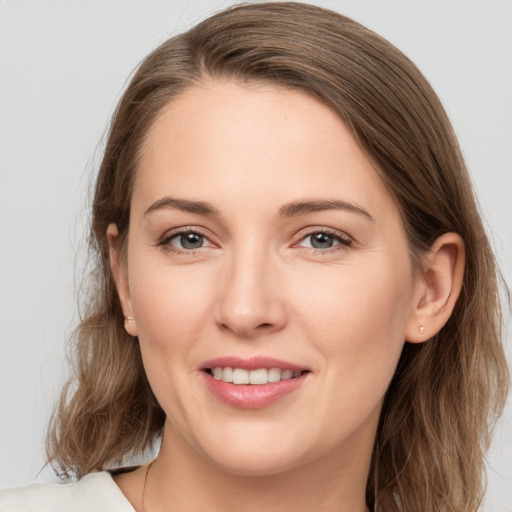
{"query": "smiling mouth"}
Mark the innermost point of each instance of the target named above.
(259, 376)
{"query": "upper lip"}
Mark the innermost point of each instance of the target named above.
(251, 363)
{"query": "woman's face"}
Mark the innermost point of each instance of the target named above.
(262, 243)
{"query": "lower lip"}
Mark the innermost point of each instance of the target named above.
(252, 396)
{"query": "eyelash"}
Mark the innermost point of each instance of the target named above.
(165, 242)
(343, 241)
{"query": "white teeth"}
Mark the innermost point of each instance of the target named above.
(227, 375)
(240, 376)
(286, 374)
(274, 375)
(259, 376)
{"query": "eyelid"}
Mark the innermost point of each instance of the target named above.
(165, 240)
(344, 239)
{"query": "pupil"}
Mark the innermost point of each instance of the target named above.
(191, 241)
(322, 241)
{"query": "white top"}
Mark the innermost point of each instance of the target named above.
(96, 492)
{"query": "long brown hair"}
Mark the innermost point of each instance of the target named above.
(447, 393)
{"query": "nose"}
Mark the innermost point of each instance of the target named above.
(250, 301)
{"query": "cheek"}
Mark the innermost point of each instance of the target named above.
(355, 321)
(171, 313)
(356, 317)
(170, 306)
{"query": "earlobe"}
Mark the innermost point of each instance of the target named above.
(120, 276)
(439, 289)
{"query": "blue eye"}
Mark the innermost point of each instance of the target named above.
(323, 240)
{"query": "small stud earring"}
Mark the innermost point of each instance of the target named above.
(129, 318)
(422, 329)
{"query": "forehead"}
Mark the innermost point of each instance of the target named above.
(223, 140)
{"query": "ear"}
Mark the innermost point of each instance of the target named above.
(438, 288)
(120, 274)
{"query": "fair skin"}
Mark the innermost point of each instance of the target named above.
(258, 227)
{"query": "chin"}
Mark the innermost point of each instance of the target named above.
(257, 466)
(265, 456)
(242, 451)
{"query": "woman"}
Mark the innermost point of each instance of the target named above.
(294, 288)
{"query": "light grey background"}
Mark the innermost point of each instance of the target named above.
(63, 65)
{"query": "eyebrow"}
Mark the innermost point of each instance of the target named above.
(293, 209)
(198, 207)
(314, 205)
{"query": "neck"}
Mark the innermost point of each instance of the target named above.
(182, 479)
